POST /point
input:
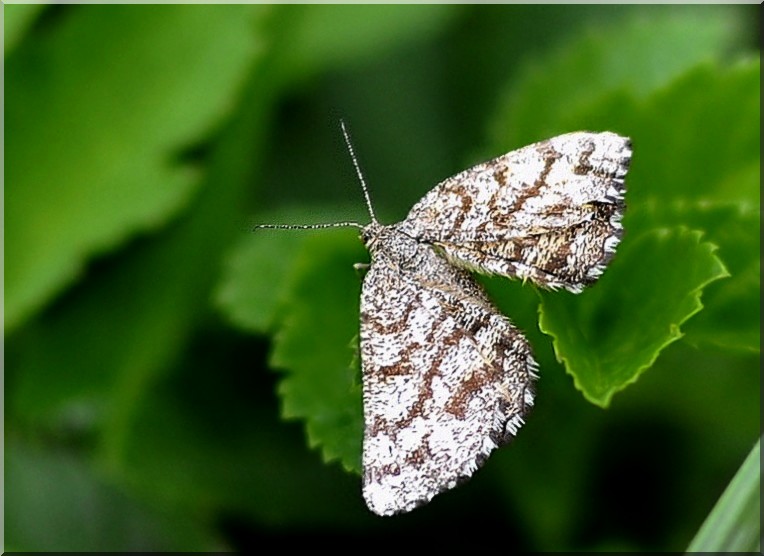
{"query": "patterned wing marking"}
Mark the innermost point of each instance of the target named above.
(446, 377)
(549, 212)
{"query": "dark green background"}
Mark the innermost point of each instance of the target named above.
(142, 411)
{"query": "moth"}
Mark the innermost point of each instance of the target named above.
(446, 377)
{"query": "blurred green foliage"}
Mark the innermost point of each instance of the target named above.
(734, 524)
(143, 320)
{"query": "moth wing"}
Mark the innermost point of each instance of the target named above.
(446, 379)
(549, 212)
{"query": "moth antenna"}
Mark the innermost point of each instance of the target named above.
(331, 224)
(307, 226)
(358, 172)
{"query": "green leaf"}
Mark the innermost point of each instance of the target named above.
(301, 283)
(611, 333)
(99, 351)
(734, 524)
(317, 344)
(251, 293)
(707, 178)
(259, 272)
(700, 136)
(547, 97)
(731, 316)
(90, 165)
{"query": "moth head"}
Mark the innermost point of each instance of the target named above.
(370, 234)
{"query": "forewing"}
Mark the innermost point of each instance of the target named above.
(549, 212)
(446, 379)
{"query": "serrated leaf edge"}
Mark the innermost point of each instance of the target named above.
(674, 328)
